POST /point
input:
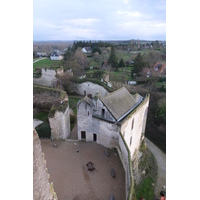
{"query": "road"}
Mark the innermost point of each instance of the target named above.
(161, 161)
(39, 59)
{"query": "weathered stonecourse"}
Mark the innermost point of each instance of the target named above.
(59, 120)
(42, 189)
(103, 119)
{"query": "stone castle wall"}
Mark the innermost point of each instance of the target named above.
(124, 157)
(48, 78)
(60, 124)
(42, 189)
(133, 135)
(107, 133)
(89, 88)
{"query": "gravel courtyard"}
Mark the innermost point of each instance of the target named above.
(66, 165)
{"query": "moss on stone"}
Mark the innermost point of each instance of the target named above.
(51, 91)
(58, 107)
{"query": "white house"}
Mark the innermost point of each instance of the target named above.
(103, 119)
(86, 50)
(56, 55)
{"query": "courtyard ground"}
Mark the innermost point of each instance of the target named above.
(66, 165)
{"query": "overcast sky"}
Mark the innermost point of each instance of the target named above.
(99, 19)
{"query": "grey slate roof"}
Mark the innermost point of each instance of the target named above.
(121, 102)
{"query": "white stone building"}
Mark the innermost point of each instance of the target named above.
(103, 119)
(56, 55)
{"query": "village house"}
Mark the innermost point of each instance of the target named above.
(104, 119)
(86, 50)
(41, 54)
(160, 69)
(56, 55)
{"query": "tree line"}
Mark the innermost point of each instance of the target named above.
(91, 44)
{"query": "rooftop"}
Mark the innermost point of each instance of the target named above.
(121, 102)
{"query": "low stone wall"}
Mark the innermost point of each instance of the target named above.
(42, 189)
(89, 88)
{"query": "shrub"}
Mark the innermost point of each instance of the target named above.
(161, 114)
(72, 121)
(44, 130)
(145, 189)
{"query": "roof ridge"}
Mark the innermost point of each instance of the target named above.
(113, 92)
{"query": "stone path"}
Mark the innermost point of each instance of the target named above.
(161, 161)
(39, 59)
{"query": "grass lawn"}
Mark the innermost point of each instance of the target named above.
(73, 102)
(94, 73)
(34, 59)
(92, 62)
(120, 76)
(124, 55)
(72, 105)
(41, 116)
(47, 63)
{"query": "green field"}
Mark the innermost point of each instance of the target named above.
(124, 74)
(73, 102)
(124, 55)
(47, 63)
(94, 73)
(41, 115)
